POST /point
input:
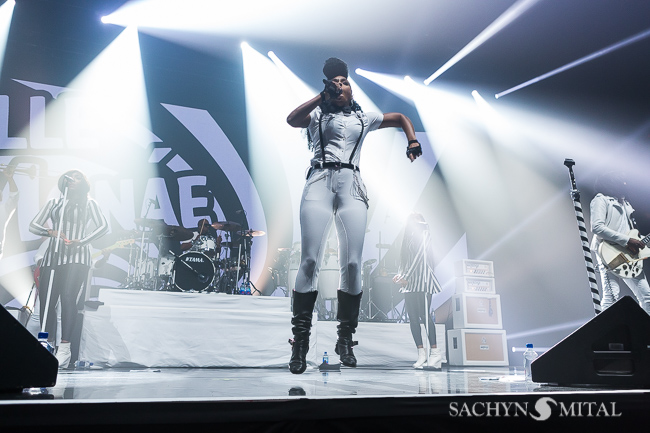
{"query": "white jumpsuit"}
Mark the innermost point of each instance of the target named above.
(335, 194)
(610, 222)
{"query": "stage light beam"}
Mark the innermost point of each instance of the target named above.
(580, 61)
(514, 12)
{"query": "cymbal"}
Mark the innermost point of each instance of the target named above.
(383, 246)
(228, 226)
(253, 233)
(177, 233)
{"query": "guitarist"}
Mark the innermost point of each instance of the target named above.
(611, 221)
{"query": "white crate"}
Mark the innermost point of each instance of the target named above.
(476, 310)
(481, 268)
(473, 284)
(477, 347)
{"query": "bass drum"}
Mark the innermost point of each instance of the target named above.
(193, 272)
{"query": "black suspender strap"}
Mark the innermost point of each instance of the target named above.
(320, 136)
(322, 142)
(358, 139)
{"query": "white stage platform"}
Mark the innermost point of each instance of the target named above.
(180, 329)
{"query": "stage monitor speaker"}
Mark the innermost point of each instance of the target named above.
(612, 349)
(24, 363)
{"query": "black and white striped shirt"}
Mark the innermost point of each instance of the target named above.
(416, 265)
(78, 220)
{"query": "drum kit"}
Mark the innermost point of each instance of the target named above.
(172, 258)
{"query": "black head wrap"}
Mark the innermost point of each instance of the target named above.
(335, 67)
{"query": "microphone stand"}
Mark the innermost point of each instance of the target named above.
(248, 247)
(138, 263)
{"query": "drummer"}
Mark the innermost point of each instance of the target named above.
(204, 228)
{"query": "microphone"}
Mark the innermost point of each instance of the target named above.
(331, 88)
(68, 178)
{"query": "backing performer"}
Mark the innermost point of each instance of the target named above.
(70, 261)
(334, 191)
(204, 228)
(611, 221)
(419, 283)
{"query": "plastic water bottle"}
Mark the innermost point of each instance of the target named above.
(42, 338)
(326, 358)
(529, 356)
(82, 364)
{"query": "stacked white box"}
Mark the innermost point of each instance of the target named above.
(475, 268)
(473, 347)
(477, 337)
(476, 310)
(471, 284)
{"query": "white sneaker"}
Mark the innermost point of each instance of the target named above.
(422, 358)
(435, 358)
(63, 355)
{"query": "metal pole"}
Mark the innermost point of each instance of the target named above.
(589, 263)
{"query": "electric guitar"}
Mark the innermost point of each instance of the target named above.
(118, 244)
(620, 260)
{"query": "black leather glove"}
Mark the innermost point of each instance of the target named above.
(415, 151)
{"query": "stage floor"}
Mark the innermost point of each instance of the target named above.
(272, 399)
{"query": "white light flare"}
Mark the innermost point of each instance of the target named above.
(6, 13)
(272, 92)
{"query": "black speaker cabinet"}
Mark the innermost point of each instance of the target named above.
(24, 363)
(612, 349)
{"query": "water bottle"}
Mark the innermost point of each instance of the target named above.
(82, 364)
(326, 358)
(529, 356)
(42, 338)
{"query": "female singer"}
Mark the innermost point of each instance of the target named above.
(67, 259)
(334, 191)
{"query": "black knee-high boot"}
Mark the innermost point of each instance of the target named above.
(348, 316)
(303, 308)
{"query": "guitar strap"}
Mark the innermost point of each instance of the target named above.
(630, 220)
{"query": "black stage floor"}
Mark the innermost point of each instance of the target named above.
(360, 399)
